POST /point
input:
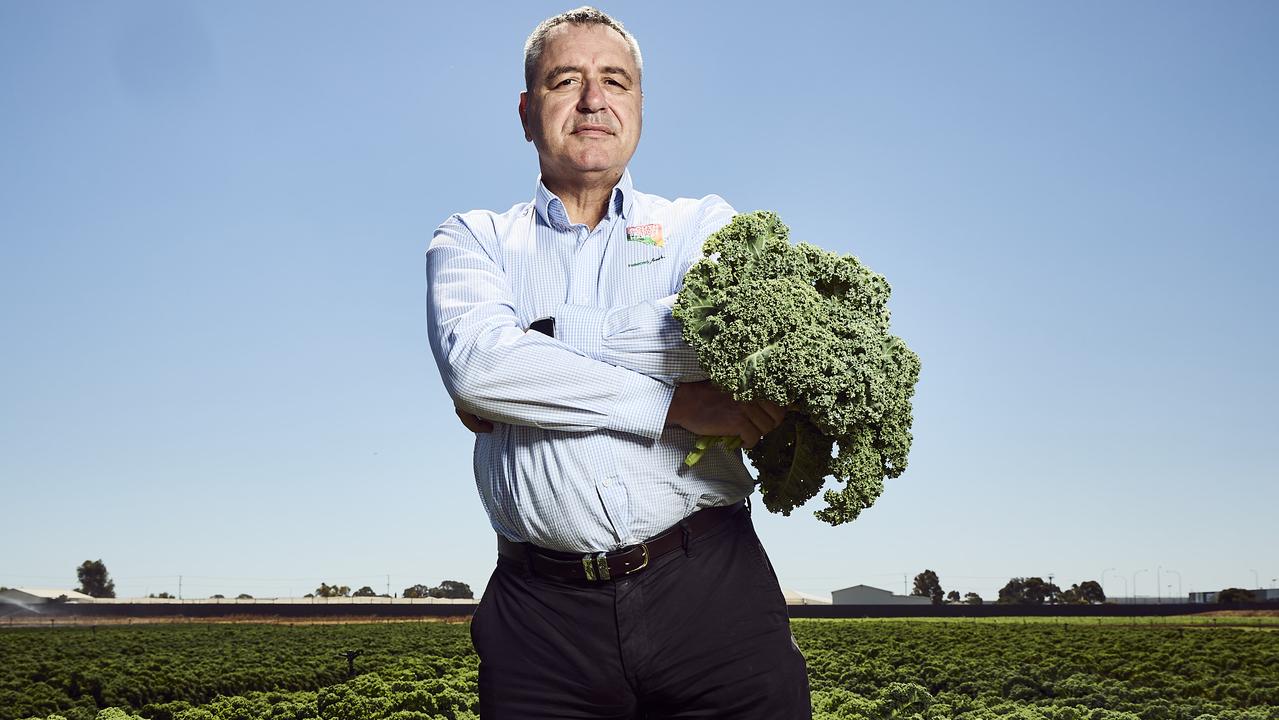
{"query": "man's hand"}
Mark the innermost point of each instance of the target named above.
(474, 423)
(701, 408)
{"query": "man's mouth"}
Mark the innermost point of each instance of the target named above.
(592, 130)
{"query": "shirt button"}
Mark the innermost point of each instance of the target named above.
(607, 483)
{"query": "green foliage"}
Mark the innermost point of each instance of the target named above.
(1235, 595)
(868, 670)
(858, 670)
(163, 671)
(927, 585)
(1088, 592)
(330, 591)
(94, 579)
(446, 589)
(806, 329)
(453, 589)
(1029, 591)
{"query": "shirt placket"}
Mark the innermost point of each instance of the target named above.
(585, 289)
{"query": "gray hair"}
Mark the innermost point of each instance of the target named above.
(585, 15)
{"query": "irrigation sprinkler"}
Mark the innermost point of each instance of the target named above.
(350, 656)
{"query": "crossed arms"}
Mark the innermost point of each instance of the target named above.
(625, 369)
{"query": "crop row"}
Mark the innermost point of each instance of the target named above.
(858, 670)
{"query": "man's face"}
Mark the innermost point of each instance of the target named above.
(584, 110)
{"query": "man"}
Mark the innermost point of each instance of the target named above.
(627, 585)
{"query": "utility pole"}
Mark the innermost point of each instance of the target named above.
(1180, 597)
(388, 586)
(1255, 582)
(1134, 583)
(179, 587)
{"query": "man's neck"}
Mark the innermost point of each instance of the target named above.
(585, 202)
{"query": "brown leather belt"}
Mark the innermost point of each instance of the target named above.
(599, 567)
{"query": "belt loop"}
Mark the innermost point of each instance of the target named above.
(687, 535)
(528, 562)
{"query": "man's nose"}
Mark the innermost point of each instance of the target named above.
(592, 98)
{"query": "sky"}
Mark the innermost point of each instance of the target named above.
(214, 368)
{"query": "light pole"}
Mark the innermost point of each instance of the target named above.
(1178, 574)
(1134, 582)
(1159, 593)
(1103, 578)
(1256, 583)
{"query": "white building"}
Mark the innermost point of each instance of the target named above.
(867, 595)
(795, 597)
(26, 597)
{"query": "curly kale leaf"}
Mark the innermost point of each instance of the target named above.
(809, 330)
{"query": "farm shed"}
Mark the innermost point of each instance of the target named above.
(867, 595)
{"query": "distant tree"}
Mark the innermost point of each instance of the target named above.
(161, 596)
(94, 580)
(1089, 592)
(452, 589)
(328, 591)
(1029, 591)
(972, 598)
(952, 596)
(927, 585)
(1013, 592)
(1235, 595)
(365, 591)
(244, 596)
(416, 591)
(217, 597)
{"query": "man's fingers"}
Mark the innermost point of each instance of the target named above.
(776, 412)
(474, 423)
(758, 424)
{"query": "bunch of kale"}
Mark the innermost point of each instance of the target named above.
(806, 329)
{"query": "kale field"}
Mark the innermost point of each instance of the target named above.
(868, 669)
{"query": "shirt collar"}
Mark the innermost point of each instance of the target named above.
(552, 211)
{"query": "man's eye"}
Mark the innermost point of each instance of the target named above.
(565, 81)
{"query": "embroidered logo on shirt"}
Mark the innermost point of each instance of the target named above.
(645, 262)
(650, 234)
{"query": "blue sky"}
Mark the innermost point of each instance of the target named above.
(212, 221)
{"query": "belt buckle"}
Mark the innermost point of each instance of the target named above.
(641, 566)
(596, 566)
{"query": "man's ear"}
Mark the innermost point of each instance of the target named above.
(524, 115)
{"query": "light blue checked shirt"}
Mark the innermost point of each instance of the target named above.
(579, 459)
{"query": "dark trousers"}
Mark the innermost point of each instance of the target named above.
(697, 634)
